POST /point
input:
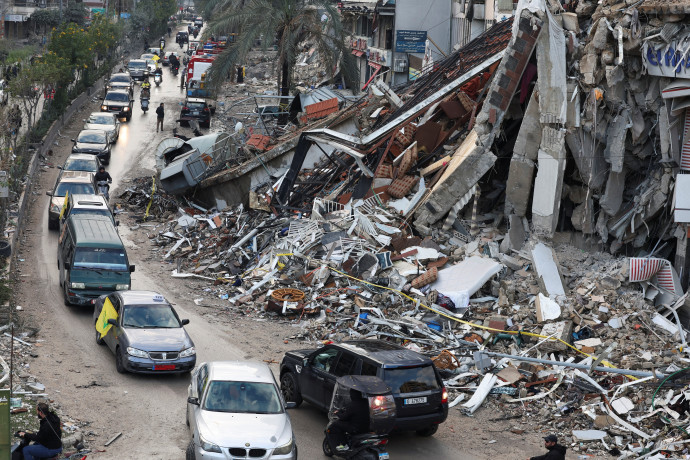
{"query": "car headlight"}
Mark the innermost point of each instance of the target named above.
(77, 285)
(122, 287)
(137, 353)
(104, 107)
(187, 352)
(126, 109)
(55, 208)
(208, 446)
(284, 450)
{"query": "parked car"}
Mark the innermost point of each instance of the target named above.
(166, 57)
(81, 162)
(147, 336)
(198, 109)
(150, 62)
(182, 37)
(68, 182)
(421, 399)
(235, 410)
(93, 141)
(118, 102)
(137, 69)
(4, 93)
(199, 21)
(94, 205)
(107, 122)
(120, 81)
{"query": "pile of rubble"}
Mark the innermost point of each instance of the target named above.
(533, 324)
(27, 391)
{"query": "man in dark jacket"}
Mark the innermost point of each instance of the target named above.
(555, 450)
(47, 442)
(160, 112)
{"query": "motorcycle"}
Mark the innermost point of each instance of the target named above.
(103, 188)
(175, 69)
(144, 104)
(354, 397)
(157, 78)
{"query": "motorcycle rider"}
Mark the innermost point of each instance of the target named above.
(145, 88)
(103, 175)
(354, 420)
(47, 442)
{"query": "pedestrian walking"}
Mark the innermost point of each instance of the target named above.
(160, 111)
(555, 450)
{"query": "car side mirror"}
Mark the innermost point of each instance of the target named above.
(73, 140)
(193, 400)
(131, 268)
(305, 362)
(59, 167)
(67, 265)
(117, 223)
(49, 193)
(290, 405)
(185, 322)
(112, 321)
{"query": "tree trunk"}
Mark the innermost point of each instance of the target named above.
(284, 91)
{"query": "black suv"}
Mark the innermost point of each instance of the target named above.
(182, 37)
(196, 108)
(421, 399)
(118, 101)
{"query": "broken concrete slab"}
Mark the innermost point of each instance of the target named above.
(546, 266)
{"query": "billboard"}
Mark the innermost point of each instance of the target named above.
(410, 41)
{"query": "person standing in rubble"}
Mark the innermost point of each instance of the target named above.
(555, 450)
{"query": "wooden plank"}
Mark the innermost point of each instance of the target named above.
(435, 166)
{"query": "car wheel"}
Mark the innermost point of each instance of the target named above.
(99, 340)
(326, 446)
(207, 125)
(189, 454)
(119, 361)
(290, 388)
(186, 416)
(428, 431)
(52, 225)
(65, 297)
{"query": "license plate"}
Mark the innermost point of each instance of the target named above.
(195, 112)
(163, 367)
(383, 456)
(410, 401)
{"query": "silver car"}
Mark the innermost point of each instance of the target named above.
(147, 336)
(235, 410)
(107, 122)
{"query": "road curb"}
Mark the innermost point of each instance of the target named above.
(46, 144)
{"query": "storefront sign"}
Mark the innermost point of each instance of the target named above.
(410, 41)
(663, 60)
(14, 17)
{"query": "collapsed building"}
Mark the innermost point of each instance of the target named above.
(564, 127)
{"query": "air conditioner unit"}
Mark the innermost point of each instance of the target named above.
(400, 65)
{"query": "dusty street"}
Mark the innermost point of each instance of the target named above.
(149, 411)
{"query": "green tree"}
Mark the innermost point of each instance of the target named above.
(45, 18)
(71, 41)
(150, 18)
(76, 13)
(285, 23)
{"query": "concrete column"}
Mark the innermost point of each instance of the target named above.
(548, 185)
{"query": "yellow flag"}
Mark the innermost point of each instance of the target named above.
(64, 205)
(107, 312)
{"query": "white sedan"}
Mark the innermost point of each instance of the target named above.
(235, 410)
(107, 122)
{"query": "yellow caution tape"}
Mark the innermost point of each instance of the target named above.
(153, 190)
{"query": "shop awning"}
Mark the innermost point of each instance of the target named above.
(357, 53)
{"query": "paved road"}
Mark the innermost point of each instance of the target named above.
(149, 410)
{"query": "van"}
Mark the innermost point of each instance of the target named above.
(86, 204)
(137, 69)
(92, 259)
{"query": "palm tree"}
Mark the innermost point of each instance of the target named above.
(287, 23)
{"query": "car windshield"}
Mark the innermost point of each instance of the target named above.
(120, 79)
(74, 164)
(137, 64)
(150, 316)
(411, 379)
(100, 258)
(101, 120)
(117, 97)
(242, 397)
(92, 138)
(195, 105)
(74, 187)
(150, 62)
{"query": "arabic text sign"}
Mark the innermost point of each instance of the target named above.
(410, 41)
(666, 61)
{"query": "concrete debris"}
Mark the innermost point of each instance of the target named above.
(479, 215)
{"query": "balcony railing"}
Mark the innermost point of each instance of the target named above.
(36, 3)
